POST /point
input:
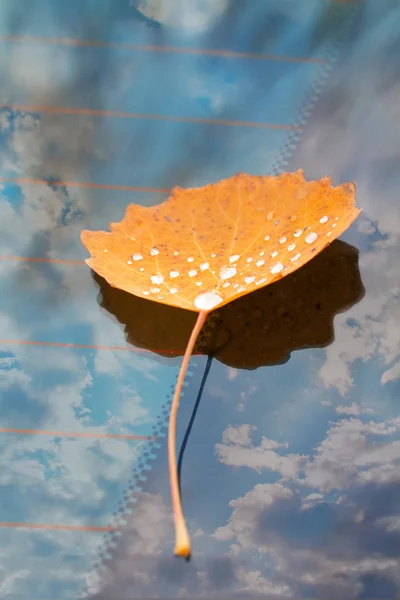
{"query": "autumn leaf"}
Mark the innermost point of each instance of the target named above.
(204, 247)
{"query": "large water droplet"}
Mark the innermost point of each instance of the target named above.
(311, 237)
(298, 232)
(234, 258)
(174, 274)
(249, 279)
(277, 268)
(157, 279)
(137, 256)
(323, 219)
(192, 272)
(154, 251)
(227, 272)
(204, 266)
(208, 300)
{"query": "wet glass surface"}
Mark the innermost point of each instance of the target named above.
(291, 471)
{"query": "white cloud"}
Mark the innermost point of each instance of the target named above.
(390, 524)
(236, 451)
(7, 587)
(255, 582)
(192, 16)
(57, 69)
(13, 377)
(238, 435)
(73, 469)
(341, 142)
(311, 500)
(352, 454)
(25, 152)
(353, 409)
(316, 569)
(246, 511)
(26, 548)
(134, 411)
(391, 374)
(347, 456)
(376, 320)
(148, 530)
(320, 567)
(39, 213)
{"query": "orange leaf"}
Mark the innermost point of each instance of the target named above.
(204, 247)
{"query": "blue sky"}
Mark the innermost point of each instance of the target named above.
(291, 473)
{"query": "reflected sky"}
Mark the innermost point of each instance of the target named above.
(291, 475)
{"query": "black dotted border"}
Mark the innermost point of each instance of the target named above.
(135, 484)
(334, 48)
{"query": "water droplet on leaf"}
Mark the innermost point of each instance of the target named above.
(227, 272)
(208, 300)
(277, 268)
(311, 237)
(157, 279)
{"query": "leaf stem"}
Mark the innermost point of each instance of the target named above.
(182, 539)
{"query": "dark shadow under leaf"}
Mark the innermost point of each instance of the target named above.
(259, 329)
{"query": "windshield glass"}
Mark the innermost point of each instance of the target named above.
(290, 424)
